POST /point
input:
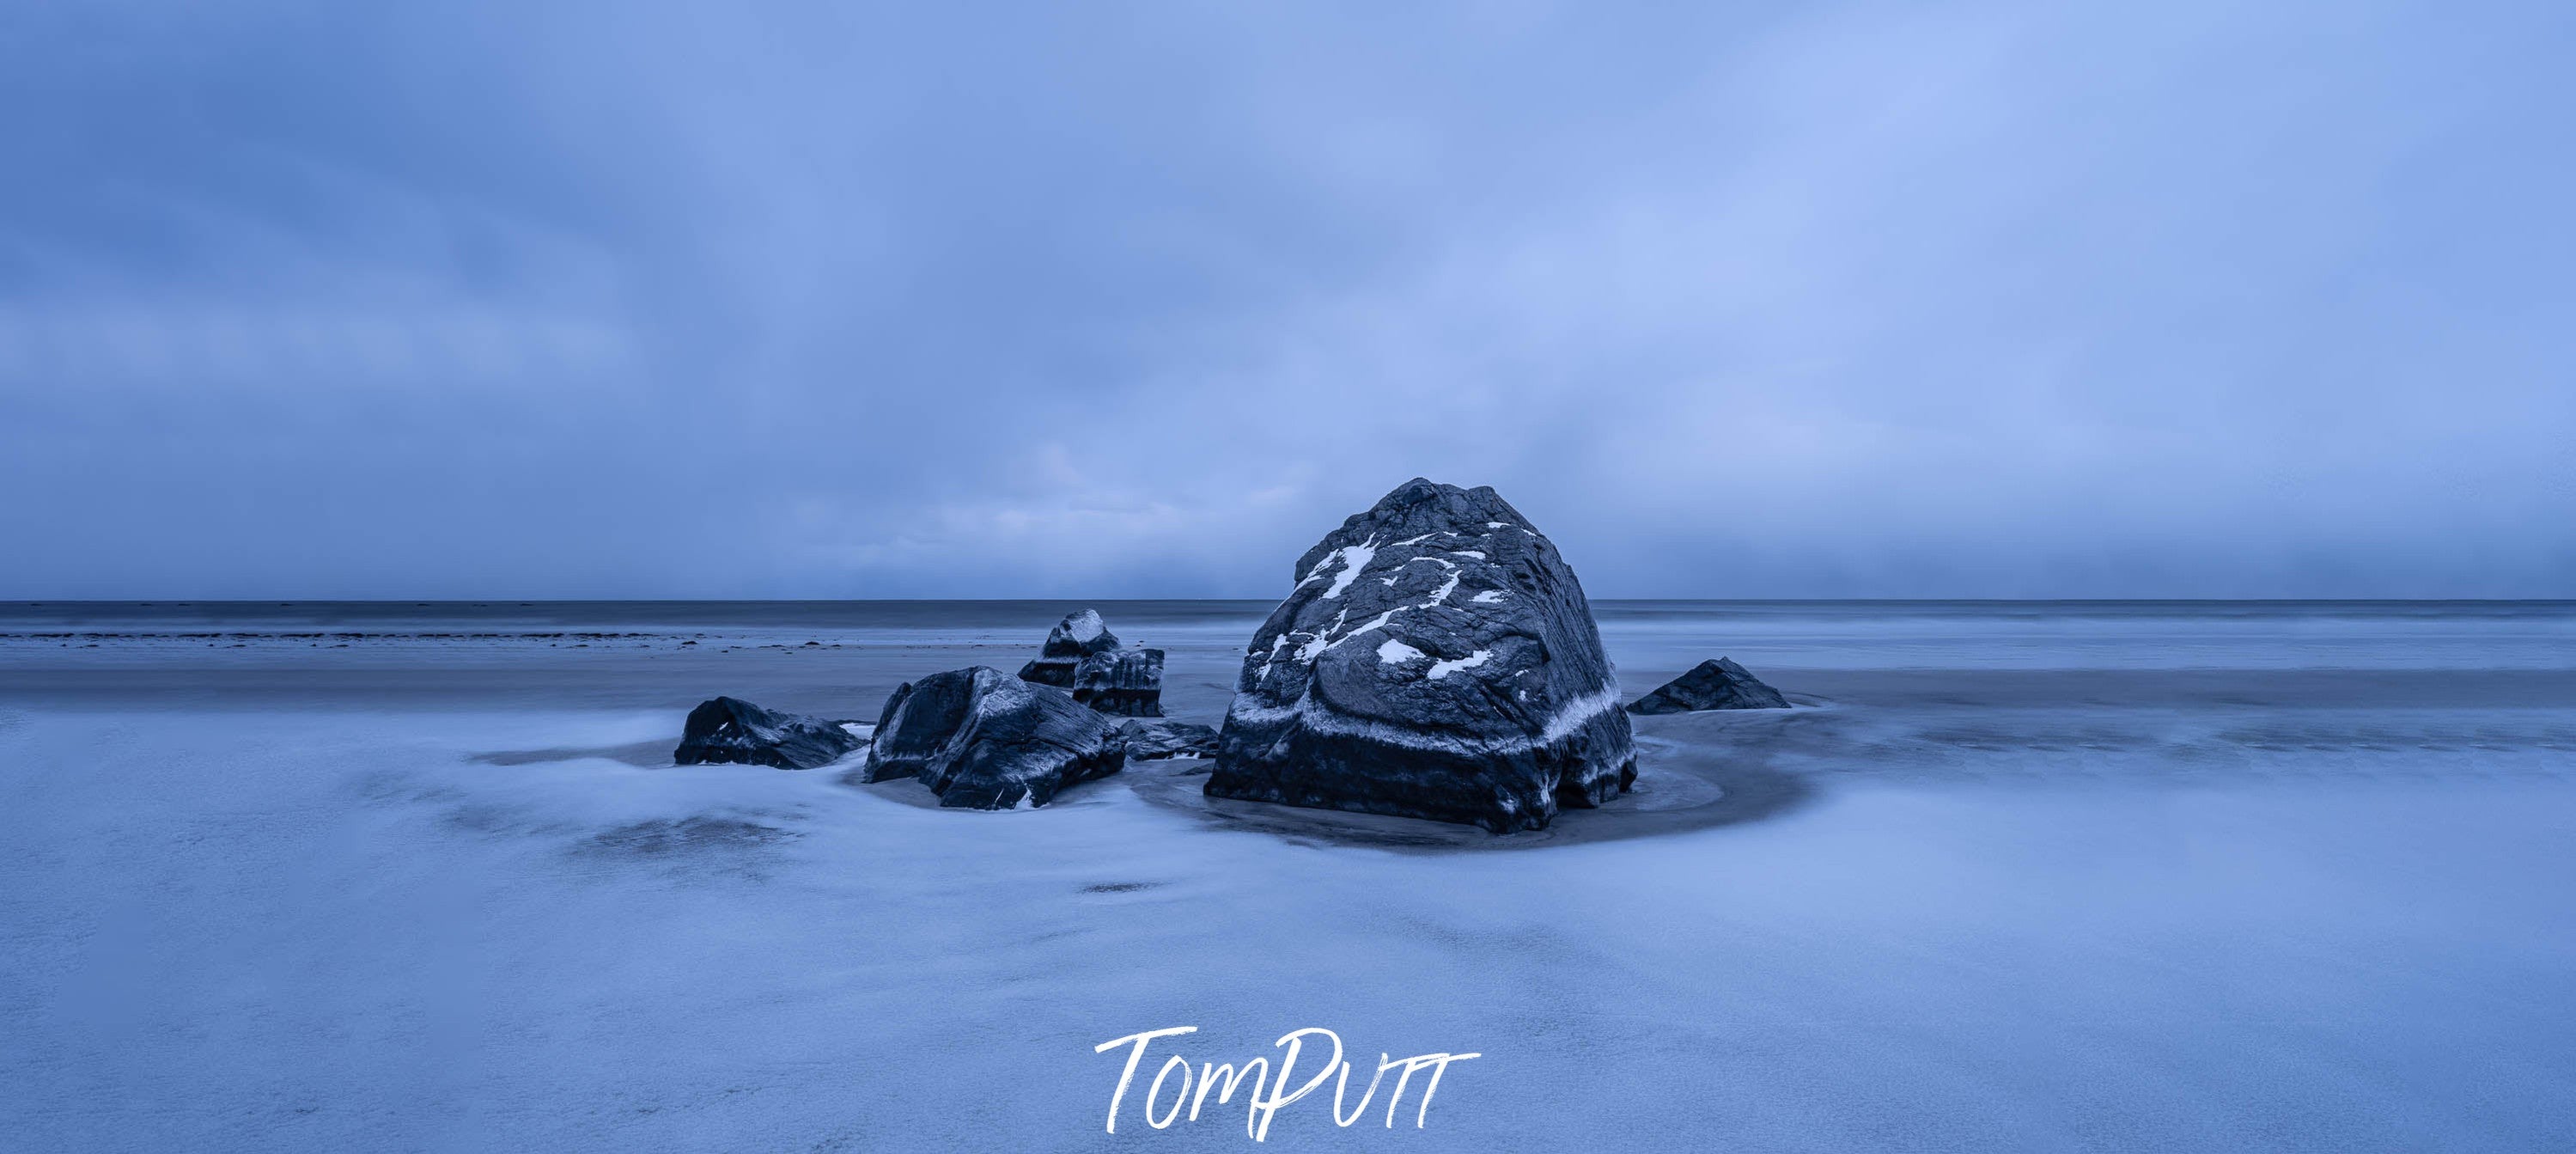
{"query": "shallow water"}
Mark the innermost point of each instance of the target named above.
(2015, 876)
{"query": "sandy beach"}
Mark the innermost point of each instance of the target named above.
(2011, 876)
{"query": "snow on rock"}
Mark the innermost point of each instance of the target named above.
(728, 730)
(1440, 669)
(1078, 636)
(1515, 714)
(1086, 627)
(1395, 652)
(1355, 560)
(983, 740)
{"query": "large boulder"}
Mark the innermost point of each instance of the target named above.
(1078, 636)
(1156, 740)
(1719, 684)
(981, 739)
(733, 731)
(1127, 682)
(1436, 659)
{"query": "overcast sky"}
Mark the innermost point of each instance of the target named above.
(1733, 300)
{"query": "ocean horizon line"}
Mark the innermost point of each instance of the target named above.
(498, 602)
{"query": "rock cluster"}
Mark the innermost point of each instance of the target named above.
(1082, 655)
(1436, 659)
(1078, 636)
(1719, 684)
(729, 730)
(981, 739)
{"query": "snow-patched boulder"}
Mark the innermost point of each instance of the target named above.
(982, 739)
(1719, 684)
(1127, 682)
(729, 730)
(1436, 659)
(1156, 740)
(1078, 636)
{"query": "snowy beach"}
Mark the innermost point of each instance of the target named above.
(2027, 876)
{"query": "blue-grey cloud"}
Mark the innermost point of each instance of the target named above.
(827, 300)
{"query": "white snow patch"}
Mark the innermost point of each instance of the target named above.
(1394, 652)
(1354, 559)
(1441, 595)
(1478, 554)
(1390, 579)
(1440, 669)
(1322, 639)
(1488, 597)
(1578, 713)
(1498, 524)
(1376, 622)
(1086, 627)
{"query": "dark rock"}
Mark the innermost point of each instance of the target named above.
(1078, 636)
(1127, 682)
(1436, 659)
(733, 731)
(1155, 740)
(1082, 655)
(983, 740)
(1719, 684)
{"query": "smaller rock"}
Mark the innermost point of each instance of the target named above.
(1126, 682)
(732, 731)
(1719, 684)
(1156, 740)
(981, 740)
(1078, 636)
